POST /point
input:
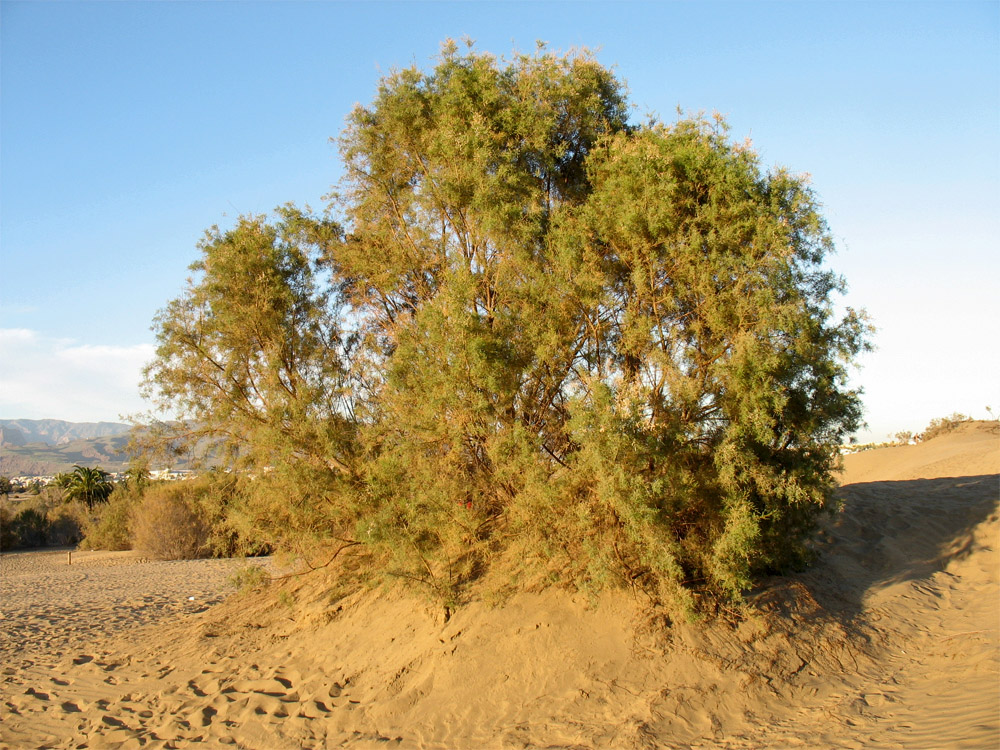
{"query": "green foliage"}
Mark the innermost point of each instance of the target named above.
(579, 350)
(67, 523)
(211, 505)
(238, 527)
(30, 528)
(648, 350)
(137, 477)
(45, 519)
(454, 181)
(8, 536)
(24, 525)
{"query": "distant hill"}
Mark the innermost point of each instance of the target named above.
(44, 447)
(39, 459)
(55, 431)
(47, 446)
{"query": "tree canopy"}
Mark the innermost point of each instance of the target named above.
(539, 340)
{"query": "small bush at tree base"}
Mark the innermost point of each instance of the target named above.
(225, 502)
(249, 578)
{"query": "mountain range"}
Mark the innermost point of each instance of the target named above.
(45, 447)
(39, 447)
(55, 431)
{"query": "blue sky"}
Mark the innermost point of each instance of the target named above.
(129, 128)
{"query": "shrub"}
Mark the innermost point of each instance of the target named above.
(109, 527)
(249, 578)
(30, 528)
(67, 523)
(230, 506)
(8, 538)
(167, 524)
(42, 520)
(943, 425)
(546, 342)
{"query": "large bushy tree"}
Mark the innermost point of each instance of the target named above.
(580, 347)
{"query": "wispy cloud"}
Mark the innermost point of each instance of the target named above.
(45, 377)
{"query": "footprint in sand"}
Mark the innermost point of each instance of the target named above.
(197, 689)
(111, 721)
(202, 717)
(313, 709)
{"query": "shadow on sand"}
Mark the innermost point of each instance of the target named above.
(891, 532)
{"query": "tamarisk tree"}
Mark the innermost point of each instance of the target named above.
(581, 347)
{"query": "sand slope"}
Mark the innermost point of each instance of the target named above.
(891, 641)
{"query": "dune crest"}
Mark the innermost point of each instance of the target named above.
(970, 449)
(891, 640)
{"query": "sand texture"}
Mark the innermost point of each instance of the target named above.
(892, 640)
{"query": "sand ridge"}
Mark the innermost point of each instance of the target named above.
(891, 641)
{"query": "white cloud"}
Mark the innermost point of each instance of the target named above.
(15, 336)
(42, 377)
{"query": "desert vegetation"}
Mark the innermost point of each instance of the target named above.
(43, 519)
(937, 427)
(943, 425)
(530, 342)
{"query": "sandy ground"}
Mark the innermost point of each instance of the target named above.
(891, 641)
(54, 601)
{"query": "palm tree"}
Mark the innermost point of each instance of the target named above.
(91, 485)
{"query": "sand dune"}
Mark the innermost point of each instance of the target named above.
(891, 641)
